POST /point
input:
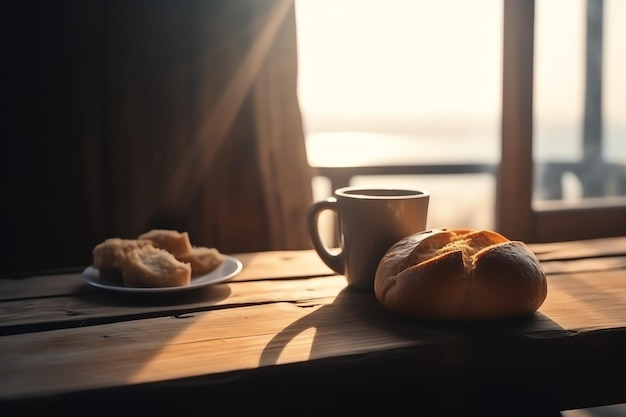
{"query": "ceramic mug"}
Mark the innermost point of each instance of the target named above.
(370, 221)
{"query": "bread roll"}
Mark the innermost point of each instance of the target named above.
(106, 255)
(202, 259)
(460, 275)
(152, 267)
(176, 243)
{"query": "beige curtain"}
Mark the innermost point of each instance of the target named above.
(170, 114)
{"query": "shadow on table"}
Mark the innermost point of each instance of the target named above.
(207, 296)
(617, 410)
(438, 365)
(354, 313)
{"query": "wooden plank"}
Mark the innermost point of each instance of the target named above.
(242, 337)
(103, 306)
(584, 265)
(585, 301)
(579, 249)
(256, 266)
(289, 264)
(42, 286)
(106, 306)
(258, 322)
(216, 342)
(170, 348)
(222, 341)
(281, 264)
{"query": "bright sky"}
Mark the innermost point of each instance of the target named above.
(443, 58)
(368, 56)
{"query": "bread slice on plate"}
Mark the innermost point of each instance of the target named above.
(151, 267)
(175, 242)
(107, 254)
(202, 259)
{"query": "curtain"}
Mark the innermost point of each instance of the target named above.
(127, 116)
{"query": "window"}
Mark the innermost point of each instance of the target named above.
(419, 82)
(522, 212)
(405, 82)
(563, 81)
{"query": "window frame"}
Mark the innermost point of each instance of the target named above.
(515, 215)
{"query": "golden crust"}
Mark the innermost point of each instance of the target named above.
(460, 274)
(176, 243)
(158, 258)
(153, 267)
(106, 255)
(202, 259)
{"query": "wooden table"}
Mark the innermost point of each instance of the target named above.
(287, 336)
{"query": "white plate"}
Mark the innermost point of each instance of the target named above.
(228, 269)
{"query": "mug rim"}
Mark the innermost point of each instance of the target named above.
(371, 193)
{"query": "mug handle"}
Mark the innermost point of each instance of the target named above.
(334, 262)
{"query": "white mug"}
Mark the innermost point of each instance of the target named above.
(370, 221)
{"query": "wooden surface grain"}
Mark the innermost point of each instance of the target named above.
(286, 309)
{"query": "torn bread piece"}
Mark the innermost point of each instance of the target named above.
(106, 255)
(175, 242)
(151, 267)
(202, 259)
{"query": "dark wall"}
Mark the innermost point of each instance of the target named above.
(76, 77)
(123, 116)
(47, 112)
